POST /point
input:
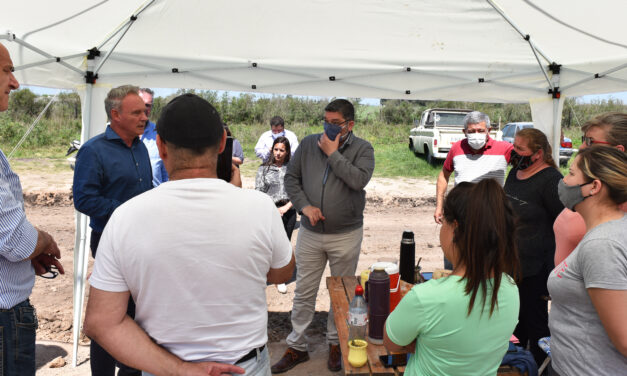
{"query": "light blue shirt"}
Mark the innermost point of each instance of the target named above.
(149, 138)
(17, 240)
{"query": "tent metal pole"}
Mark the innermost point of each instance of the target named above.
(522, 34)
(557, 130)
(597, 75)
(104, 60)
(80, 271)
(146, 5)
(80, 246)
(123, 29)
(47, 61)
(43, 53)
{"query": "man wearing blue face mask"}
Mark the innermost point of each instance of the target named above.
(277, 129)
(325, 182)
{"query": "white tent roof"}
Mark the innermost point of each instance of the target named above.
(284, 46)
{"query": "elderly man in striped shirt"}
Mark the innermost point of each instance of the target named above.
(473, 158)
(24, 252)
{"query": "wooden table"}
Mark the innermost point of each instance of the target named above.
(342, 291)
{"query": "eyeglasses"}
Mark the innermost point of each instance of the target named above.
(589, 141)
(51, 272)
(339, 124)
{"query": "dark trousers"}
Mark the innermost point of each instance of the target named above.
(289, 222)
(18, 327)
(103, 364)
(533, 318)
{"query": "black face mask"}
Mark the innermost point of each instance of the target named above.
(521, 162)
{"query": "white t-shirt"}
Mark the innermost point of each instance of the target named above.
(195, 254)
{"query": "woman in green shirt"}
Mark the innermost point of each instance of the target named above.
(461, 324)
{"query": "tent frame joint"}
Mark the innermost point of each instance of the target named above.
(555, 68)
(555, 92)
(93, 53)
(90, 77)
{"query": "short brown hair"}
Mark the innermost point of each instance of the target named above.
(115, 97)
(613, 123)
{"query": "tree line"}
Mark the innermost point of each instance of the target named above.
(62, 121)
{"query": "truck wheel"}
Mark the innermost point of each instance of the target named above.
(429, 156)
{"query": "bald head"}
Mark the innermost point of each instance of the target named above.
(7, 79)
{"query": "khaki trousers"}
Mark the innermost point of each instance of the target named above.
(313, 250)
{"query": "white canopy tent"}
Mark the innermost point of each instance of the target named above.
(468, 50)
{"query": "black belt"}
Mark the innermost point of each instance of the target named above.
(250, 355)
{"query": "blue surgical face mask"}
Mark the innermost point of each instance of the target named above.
(332, 130)
(277, 135)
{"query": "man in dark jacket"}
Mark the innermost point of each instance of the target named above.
(325, 181)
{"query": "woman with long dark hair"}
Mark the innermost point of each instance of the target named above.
(531, 186)
(588, 289)
(463, 322)
(270, 180)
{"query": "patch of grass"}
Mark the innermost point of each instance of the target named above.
(396, 159)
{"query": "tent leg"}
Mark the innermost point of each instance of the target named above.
(557, 130)
(81, 243)
(81, 259)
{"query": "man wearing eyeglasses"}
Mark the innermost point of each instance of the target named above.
(277, 129)
(605, 129)
(325, 181)
(149, 138)
(24, 252)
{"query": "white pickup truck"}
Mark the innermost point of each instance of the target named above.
(437, 130)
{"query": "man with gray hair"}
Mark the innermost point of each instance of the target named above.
(112, 168)
(473, 158)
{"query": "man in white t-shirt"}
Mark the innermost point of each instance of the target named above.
(198, 285)
(277, 129)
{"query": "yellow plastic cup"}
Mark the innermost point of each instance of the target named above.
(363, 278)
(357, 355)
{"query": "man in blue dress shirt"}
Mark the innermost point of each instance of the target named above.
(149, 138)
(24, 252)
(112, 168)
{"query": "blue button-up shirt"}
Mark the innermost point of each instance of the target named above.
(17, 240)
(107, 174)
(149, 138)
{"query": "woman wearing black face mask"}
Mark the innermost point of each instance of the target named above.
(531, 187)
(589, 288)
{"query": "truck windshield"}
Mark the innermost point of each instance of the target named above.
(450, 119)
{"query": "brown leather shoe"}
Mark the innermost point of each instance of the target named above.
(335, 358)
(289, 360)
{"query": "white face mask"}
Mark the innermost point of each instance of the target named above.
(476, 140)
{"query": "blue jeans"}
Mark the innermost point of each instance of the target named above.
(18, 327)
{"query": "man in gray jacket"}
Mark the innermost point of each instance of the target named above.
(325, 181)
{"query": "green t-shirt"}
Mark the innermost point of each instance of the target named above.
(448, 341)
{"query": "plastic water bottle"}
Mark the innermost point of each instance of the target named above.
(357, 316)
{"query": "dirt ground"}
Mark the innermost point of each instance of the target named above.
(393, 205)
